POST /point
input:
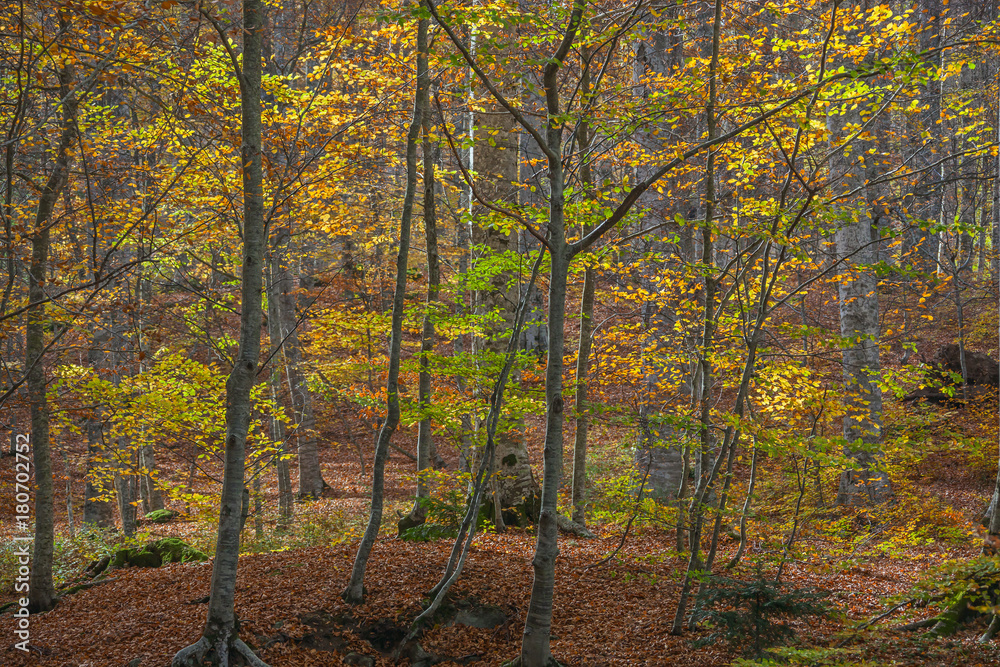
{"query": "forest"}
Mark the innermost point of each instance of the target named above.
(483, 332)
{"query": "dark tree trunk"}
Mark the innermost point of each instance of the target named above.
(42, 596)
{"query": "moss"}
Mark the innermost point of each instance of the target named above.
(174, 550)
(155, 554)
(161, 516)
(144, 558)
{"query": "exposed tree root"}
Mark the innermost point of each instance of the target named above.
(916, 625)
(353, 596)
(992, 630)
(516, 662)
(948, 622)
(218, 654)
(191, 656)
(567, 525)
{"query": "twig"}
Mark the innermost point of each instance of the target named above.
(881, 617)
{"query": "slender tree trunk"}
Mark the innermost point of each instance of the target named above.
(859, 322)
(98, 511)
(354, 593)
(42, 590)
(126, 489)
(67, 472)
(42, 596)
(535, 642)
(535, 649)
(919, 243)
(658, 451)
(705, 471)
(424, 441)
(516, 491)
(995, 227)
(586, 342)
(746, 511)
(220, 635)
(152, 497)
(286, 506)
(311, 483)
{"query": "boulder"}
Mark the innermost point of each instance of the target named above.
(161, 516)
(154, 554)
(982, 375)
(980, 368)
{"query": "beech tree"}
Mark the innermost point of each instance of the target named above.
(355, 592)
(220, 637)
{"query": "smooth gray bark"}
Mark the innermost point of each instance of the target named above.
(516, 491)
(659, 454)
(355, 592)
(98, 511)
(705, 470)
(535, 641)
(126, 489)
(42, 595)
(286, 506)
(859, 323)
(424, 437)
(152, 497)
(585, 344)
(311, 483)
(921, 245)
(220, 636)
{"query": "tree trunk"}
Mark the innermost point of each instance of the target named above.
(535, 649)
(152, 498)
(496, 177)
(585, 344)
(658, 455)
(424, 441)
(220, 636)
(42, 593)
(311, 483)
(535, 643)
(98, 511)
(354, 593)
(126, 490)
(286, 507)
(42, 596)
(859, 323)
(920, 244)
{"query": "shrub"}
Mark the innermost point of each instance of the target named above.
(747, 614)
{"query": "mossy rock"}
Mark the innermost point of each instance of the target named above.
(155, 554)
(174, 550)
(161, 516)
(135, 557)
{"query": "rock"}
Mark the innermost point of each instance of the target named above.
(161, 516)
(155, 554)
(980, 368)
(359, 660)
(418, 656)
(982, 374)
(174, 550)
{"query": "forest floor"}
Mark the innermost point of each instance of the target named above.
(618, 613)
